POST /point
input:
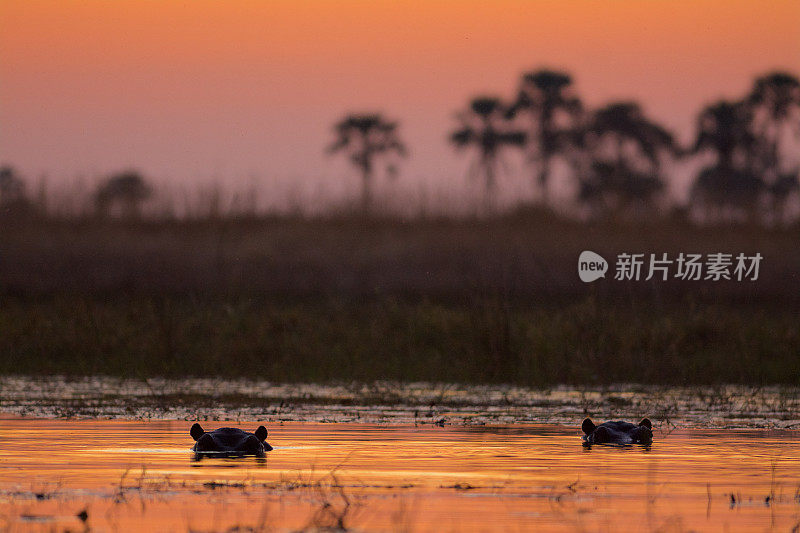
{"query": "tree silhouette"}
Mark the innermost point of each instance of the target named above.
(366, 138)
(774, 104)
(485, 127)
(778, 96)
(724, 128)
(545, 98)
(624, 150)
(126, 191)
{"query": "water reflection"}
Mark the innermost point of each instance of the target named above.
(126, 473)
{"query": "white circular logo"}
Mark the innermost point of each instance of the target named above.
(591, 266)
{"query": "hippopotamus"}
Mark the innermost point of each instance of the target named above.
(617, 432)
(229, 442)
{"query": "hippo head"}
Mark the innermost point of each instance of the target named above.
(617, 432)
(229, 442)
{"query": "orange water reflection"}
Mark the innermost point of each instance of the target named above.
(140, 475)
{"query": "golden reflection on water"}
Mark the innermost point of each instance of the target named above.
(141, 475)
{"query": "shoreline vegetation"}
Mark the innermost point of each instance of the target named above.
(388, 402)
(358, 298)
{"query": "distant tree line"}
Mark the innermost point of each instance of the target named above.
(120, 195)
(748, 152)
(617, 156)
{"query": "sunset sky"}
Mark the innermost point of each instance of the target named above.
(242, 90)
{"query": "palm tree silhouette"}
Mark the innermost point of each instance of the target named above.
(546, 99)
(127, 190)
(366, 138)
(778, 94)
(774, 104)
(724, 128)
(625, 151)
(485, 127)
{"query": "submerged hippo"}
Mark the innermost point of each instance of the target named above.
(617, 432)
(229, 442)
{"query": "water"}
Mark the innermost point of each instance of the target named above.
(141, 475)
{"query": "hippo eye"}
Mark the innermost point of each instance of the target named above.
(261, 433)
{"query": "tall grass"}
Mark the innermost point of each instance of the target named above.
(354, 298)
(333, 340)
(529, 256)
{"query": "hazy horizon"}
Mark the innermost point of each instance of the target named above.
(246, 92)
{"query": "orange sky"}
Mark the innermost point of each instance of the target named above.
(200, 88)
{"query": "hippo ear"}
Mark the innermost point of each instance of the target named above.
(261, 433)
(588, 426)
(646, 423)
(197, 431)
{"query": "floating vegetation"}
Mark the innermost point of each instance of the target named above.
(731, 406)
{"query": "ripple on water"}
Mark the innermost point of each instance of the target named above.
(126, 473)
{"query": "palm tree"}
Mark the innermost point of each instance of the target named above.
(545, 97)
(366, 138)
(485, 127)
(724, 128)
(625, 151)
(774, 104)
(778, 94)
(126, 190)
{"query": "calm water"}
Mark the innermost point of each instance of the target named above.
(132, 474)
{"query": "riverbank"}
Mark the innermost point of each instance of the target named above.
(421, 404)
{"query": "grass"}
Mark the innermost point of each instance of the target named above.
(488, 342)
(528, 256)
(347, 298)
